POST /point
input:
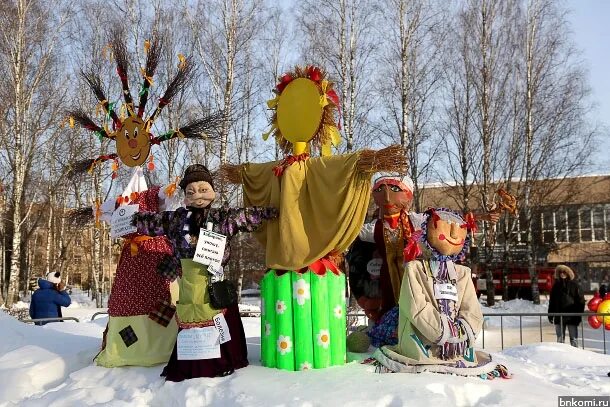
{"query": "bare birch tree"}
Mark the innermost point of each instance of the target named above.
(339, 37)
(556, 138)
(30, 34)
(408, 79)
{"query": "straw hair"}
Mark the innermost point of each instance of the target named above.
(393, 158)
(230, 174)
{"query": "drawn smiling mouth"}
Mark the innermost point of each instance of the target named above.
(451, 241)
(137, 156)
(455, 243)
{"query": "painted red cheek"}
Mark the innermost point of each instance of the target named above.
(441, 237)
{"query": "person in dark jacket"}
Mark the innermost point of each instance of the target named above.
(49, 298)
(364, 268)
(566, 297)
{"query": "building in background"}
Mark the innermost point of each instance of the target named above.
(570, 225)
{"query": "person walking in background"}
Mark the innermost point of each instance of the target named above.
(48, 299)
(566, 296)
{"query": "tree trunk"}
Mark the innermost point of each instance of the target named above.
(19, 170)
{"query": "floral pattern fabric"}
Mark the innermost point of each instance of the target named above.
(303, 320)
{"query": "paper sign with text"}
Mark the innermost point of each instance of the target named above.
(445, 291)
(198, 343)
(120, 225)
(223, 329)
(210, 249)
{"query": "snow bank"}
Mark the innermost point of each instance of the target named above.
(51, 366)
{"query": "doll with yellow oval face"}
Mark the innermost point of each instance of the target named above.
(133, 142)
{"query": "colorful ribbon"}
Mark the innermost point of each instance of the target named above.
(134, 242)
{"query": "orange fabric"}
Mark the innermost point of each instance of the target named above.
(134, 242)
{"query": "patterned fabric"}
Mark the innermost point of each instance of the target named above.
(385, 332)
(303, 320)
(137, 286)
(226, 221)
(163, 313)
(169, 268)
(128, 335)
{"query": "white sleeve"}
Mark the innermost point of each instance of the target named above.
(169, 203)
(416, 219)
(367, 233)
(107, 208)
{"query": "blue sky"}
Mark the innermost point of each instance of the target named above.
(591, 28)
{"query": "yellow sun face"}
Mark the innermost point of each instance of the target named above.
(299, 112)
(305, 105)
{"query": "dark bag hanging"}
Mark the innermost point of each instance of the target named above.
(222, 294)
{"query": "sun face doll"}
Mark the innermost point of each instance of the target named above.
(131, 130)
(140, 329)
(439, 314)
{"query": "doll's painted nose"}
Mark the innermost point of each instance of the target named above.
(132, 143)
(454, 230)
(386, 193)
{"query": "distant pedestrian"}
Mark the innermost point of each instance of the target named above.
(603, 289)
(49, 298)
(566, 296)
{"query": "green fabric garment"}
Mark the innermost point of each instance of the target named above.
(322, 203)
(303, 320)
(194, 300)
(154, 345)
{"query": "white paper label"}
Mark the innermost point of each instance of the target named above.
(374, 267)
(445, 291)
(120, 225)
(210, 250)
(223, 329)
(198, 343)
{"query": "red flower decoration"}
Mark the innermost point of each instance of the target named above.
(471, 223)
(284, 81)
(314, 73)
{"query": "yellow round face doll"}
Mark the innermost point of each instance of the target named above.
(446, 233)
(133, 142)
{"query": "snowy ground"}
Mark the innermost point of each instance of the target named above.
(52, 366)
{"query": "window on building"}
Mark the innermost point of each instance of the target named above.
(548, 226)
(607, 218)
(586, 232)
(77, 259)
(573, 231)
(561, 225)
(522, 228)
(599, 231)
(537, 227)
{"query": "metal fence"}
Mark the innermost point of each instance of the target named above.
(540, 315)
(33, 321)
(358, 318)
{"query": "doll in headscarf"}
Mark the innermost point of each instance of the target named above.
(182, 228)
(394, 238)
(439, 314)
